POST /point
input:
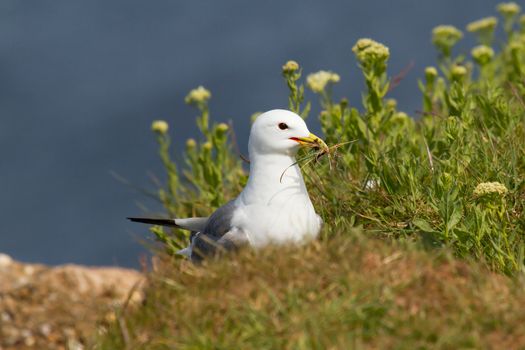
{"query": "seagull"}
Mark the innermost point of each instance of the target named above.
(273, 208)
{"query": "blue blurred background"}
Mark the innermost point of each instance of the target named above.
(81, 82)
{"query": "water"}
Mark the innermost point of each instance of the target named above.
(81, 82)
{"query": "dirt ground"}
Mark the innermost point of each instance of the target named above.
(60, 307)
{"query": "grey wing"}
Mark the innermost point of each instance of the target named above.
(220, 221)
(219, 234)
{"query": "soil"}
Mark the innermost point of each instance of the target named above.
(62, 307)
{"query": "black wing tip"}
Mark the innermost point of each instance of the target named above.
(153, 221)
(135, 219)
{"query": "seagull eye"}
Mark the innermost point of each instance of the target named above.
(283, 126)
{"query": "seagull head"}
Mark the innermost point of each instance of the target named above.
(281, 132)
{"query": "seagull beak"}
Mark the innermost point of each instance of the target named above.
(311, 141)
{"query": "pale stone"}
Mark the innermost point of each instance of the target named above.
(5, 260)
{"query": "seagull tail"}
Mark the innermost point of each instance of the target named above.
(190, 224)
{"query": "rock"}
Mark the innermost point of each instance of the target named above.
(60, 307)
(108, 281)
(5, 260)
(29, 270)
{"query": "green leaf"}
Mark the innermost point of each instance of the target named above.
(423, 225)
(454, 219)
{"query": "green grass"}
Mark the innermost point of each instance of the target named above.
(343, 293)
(430, 171)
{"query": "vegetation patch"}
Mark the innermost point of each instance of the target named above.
(453, 175)
(450, 179)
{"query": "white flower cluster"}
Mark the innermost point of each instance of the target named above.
(484, 24)
(317, 82)
(368, 50)
(490, 188)
(446, 36)
(508, 9)
(159, 126)
(290, 67)
(482, 54)
(458, 72)
(198, 96)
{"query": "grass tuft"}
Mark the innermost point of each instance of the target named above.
(335, 294)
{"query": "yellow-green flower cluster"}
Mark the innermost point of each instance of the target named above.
(368, 50)
(484, 29)
(458, 72)
(482, 54)
(290, 67)
(486, 24)
(160, 127)
(317, 82)
(221, 129)
(431, 71)
(198, 96)
(191, 143)
(516, 46)
(445, 37)
(508, 9)
(391, 103)
(399, 118)
(490, 188)
(430, 74)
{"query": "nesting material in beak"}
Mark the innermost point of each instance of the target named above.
(311, 141)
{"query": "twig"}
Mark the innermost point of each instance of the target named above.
(316, 156)
(396, 79)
